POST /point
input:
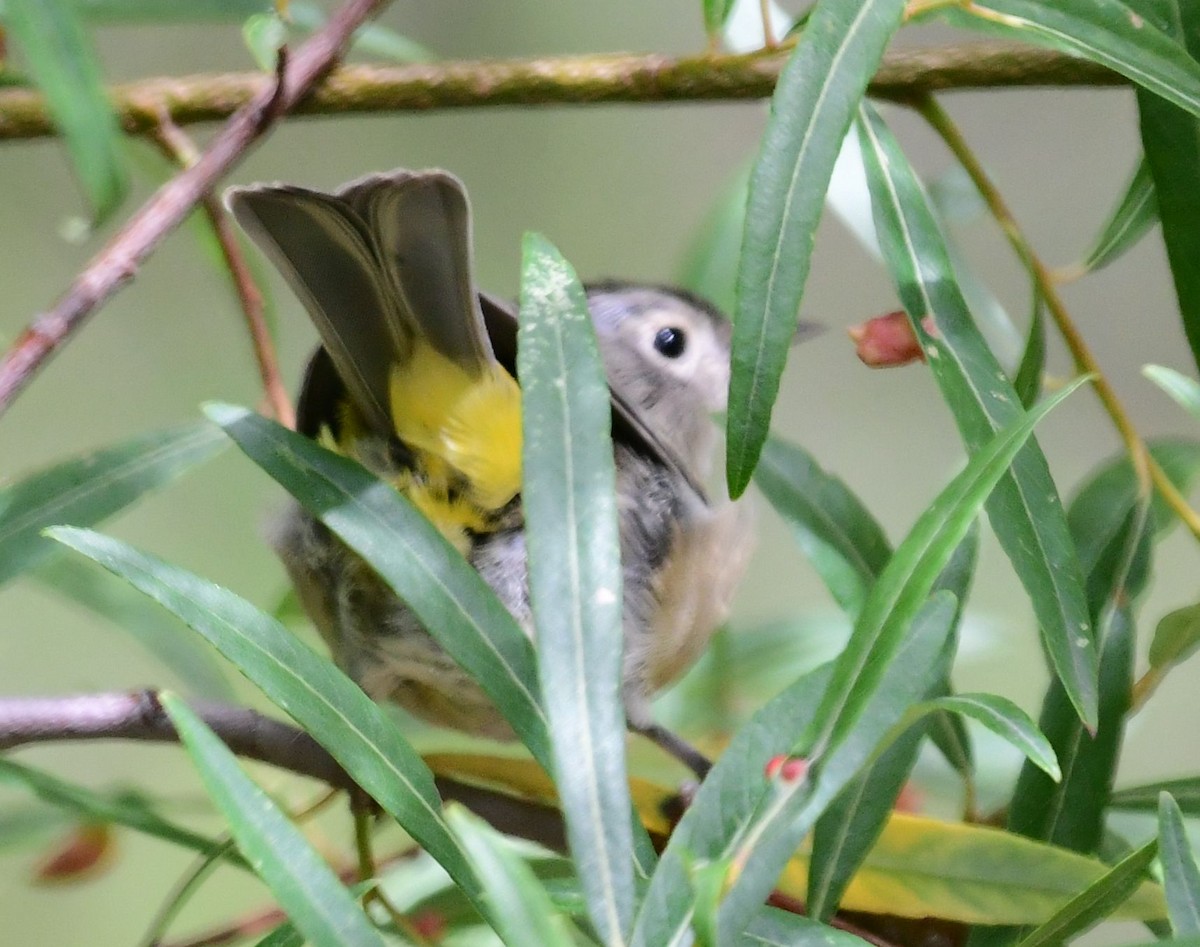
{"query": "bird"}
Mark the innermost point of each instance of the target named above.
(415, 379)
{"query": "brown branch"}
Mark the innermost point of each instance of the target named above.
(137, 716)
(116, 263)
(574, 80)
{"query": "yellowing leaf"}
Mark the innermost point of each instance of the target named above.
(923, 867)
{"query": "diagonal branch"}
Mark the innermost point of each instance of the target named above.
(567, 80)
(117, 263)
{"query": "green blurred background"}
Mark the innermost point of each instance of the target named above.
(622, 191)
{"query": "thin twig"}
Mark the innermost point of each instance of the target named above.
(563, 80)
(179, 148)
(1145, 468)
(138, 716)
(116, 264)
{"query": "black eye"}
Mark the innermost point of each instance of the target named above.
(670, 341)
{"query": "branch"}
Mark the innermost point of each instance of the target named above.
(573, 80)
(139, 717)
(117, 263)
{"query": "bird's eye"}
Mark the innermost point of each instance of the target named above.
(670, 341)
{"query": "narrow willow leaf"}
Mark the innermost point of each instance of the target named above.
(453, 602)
(1104, 31)
(161, 11)
(569, 497)
(775, 928)
(62, 61)
(1007, 721)
(1134, 215)
(864, 689)
(521, 909)
(1184, 390)
(1176, 638)
(1027, 382)
(90, 805)
(814, 102)
(1181, 876)
(1070, 812)
(84, 490)
(285, 935)
(910, 574)
(716, 12)
(791, 808)
(1097, 902)
(356, 731)
(299, 878)
(849, 828)
(264, 34)
(1185, 792)
(841, 538)
(1099, 516)
(1171, 141)
(721, 809)
(974, 874)
(1025, 510)
(190, 660)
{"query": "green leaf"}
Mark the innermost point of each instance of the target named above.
(60, 57)
(790, 809)
(716, 12)
(1181, 876)
(521, 909)
(723, 806)
(1176, 637)
(818, 90)
(1007, 721)
(864, 696)
(1070, 813)
(1171, 141)
(841, 538)
(1027, 382)
(161, 11)
(264, 34)
(1184, 390)
(84, 490)
(1104, 31)
(285, 935)
(849, 828)
(1100, 517)
(1185, 792)
(356, 731)
(451, 599)
(299, 878)
(191, 661)
(1025, 510)
(108, 808)
(1134, 215)
(1095, 903)
(775, 928)
(974, 874)
(569, 497)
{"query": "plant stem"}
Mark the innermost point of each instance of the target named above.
(560, 80)
(180, 149)
(1147, 471)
